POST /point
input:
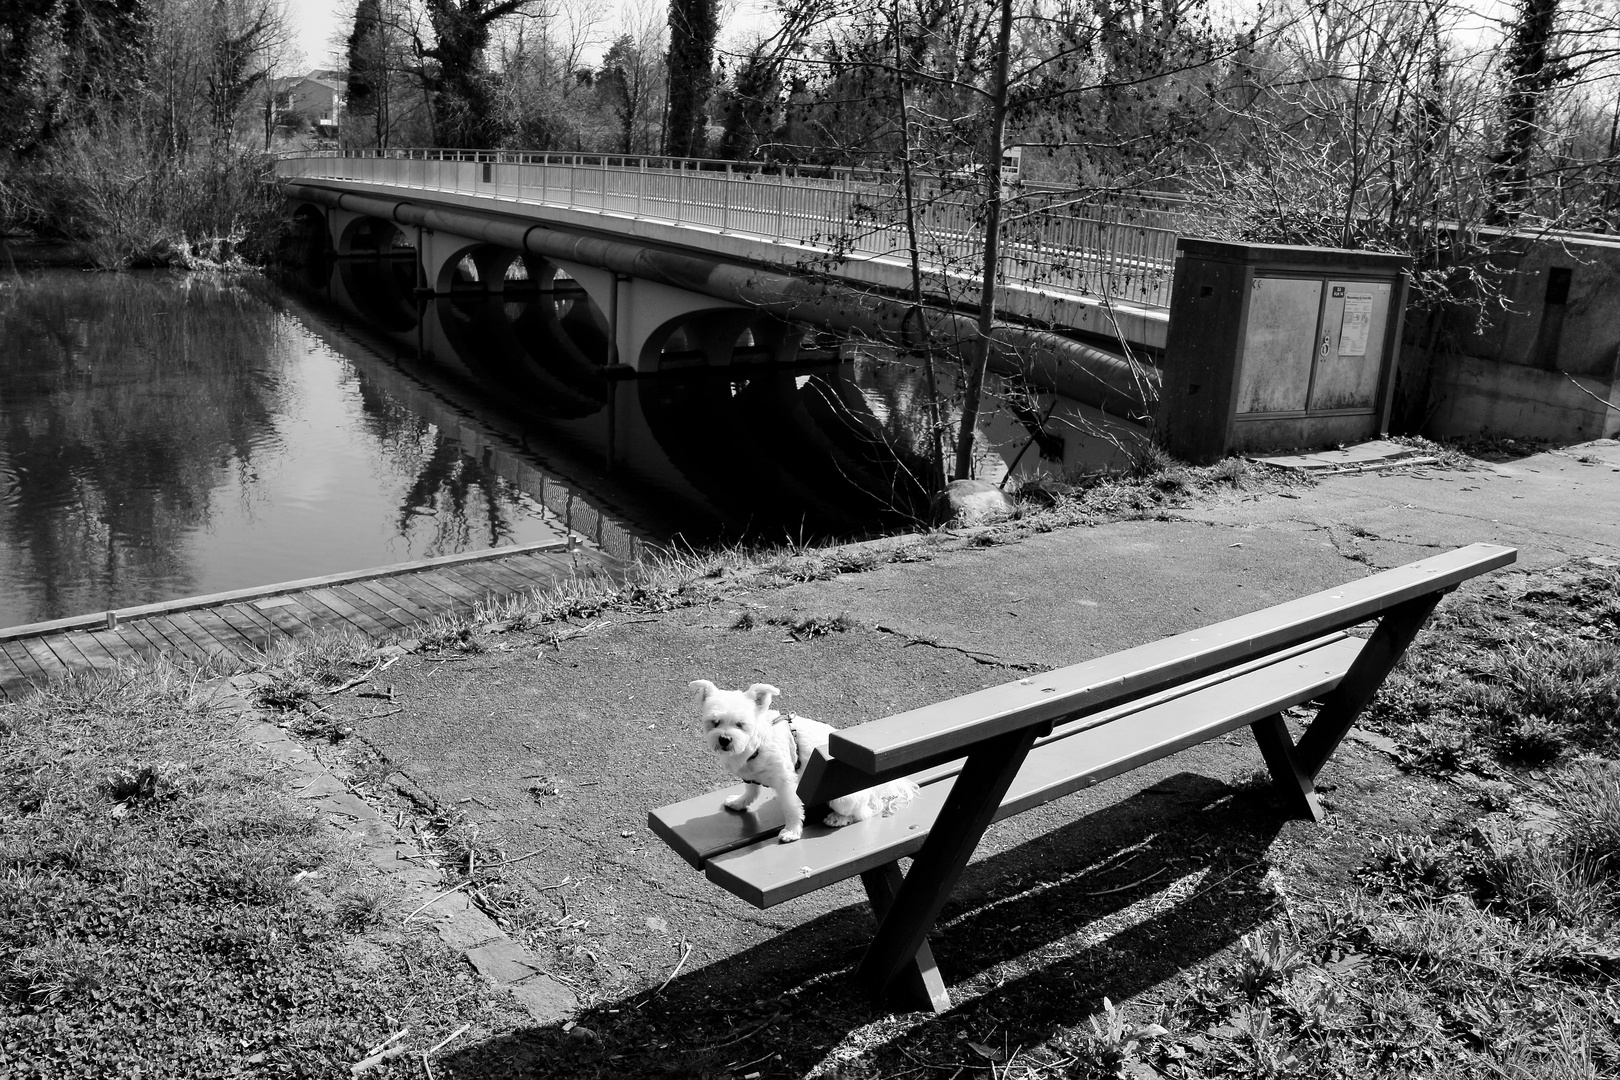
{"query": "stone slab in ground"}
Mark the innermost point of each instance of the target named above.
(1378, 453)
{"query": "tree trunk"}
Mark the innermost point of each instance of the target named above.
(692, 26)
(935, 450)
(1531, 71)
(974, 390)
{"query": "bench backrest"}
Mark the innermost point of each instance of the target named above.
(901, 743)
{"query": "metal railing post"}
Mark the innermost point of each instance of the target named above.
(781, 201)
(725, 201)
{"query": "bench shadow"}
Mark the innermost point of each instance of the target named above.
(1110, 903)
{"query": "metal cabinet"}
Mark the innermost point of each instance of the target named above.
(1273, 347)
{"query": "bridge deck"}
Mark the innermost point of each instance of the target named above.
(1057, 265)
(239, 626)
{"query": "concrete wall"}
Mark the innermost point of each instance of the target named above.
(1547, 367)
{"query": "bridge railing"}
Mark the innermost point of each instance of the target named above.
(837, 212)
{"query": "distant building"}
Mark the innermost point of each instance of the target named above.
(313, 101)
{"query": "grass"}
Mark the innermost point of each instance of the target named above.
(1523, 671)
(164, 903)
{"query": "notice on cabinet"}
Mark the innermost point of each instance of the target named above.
(1357, 321)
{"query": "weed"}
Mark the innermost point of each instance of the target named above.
(453, 635)
(1439, 749)
(813, 626)
(1266, 960)
(358, 907)
(54, 972)
(1261, 1047)
(1151, 460)
(854, 561)
(1572, 685)
(1418, 866)
(1315, 1006)
(1172, 481)
(1109, 1046)
(148, 786)
(1528, 739)
(1592, 827)
(744, 621)
(1233, 470)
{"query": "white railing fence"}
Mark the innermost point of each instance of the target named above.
(835, 211)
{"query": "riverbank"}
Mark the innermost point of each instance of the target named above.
(521, 752)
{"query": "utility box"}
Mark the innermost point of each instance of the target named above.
(1272, 347)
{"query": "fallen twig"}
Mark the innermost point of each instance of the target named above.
(1215, 885)
(435, 900)
(377, 1059)
(391, 1040)
(686, 950)
(739, 1038)
(448, 1039)
(380, 665)
(1122, 888)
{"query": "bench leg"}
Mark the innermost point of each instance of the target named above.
(919, 982)
(968, 810)
(1341, 707)
(1294, 784)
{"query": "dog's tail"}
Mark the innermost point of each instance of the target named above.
(898, 793)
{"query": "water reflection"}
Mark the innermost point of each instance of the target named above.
(164, 436)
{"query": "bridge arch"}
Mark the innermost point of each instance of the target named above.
(377, 265)
(519, 324)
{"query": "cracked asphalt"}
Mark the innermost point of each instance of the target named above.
(562, 749)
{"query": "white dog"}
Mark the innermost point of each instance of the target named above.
(765, 748)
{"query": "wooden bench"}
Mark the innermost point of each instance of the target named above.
(991, 754)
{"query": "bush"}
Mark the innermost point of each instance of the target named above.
(114, 189)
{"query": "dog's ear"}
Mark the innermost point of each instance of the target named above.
(762, 693)
(701, 689)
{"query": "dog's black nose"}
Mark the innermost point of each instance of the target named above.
(724, 742)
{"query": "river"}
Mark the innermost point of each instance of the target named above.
(165, 435)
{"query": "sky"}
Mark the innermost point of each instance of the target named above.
(316, 22)
(319, 22)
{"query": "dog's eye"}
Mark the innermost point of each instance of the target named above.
(714, 723)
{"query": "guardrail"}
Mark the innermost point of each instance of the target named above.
(841, 211)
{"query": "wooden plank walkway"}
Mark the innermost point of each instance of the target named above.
(387, 601)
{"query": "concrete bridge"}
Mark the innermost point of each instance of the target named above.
(661, 263)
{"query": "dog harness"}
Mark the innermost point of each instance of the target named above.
(793, 732)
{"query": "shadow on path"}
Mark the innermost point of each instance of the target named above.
(1111, 903)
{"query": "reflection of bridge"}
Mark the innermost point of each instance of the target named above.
(666, 262)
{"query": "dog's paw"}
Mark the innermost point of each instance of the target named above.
(787, 836)
(838, 821)
(738, 802)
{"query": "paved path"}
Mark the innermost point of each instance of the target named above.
(564, 746)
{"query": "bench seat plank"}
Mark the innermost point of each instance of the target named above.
(766, 873)
(953, 726)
